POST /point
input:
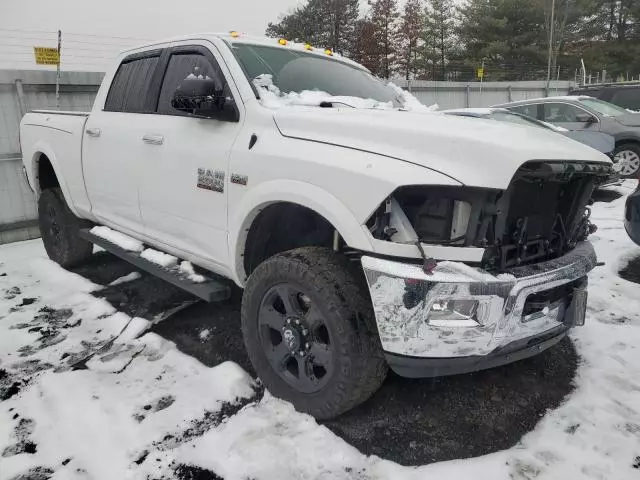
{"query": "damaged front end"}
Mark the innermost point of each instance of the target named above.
(523, 296)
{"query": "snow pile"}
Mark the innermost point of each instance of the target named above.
(159, 258)
(120, 239)
(186, 268)
(271, 97)
(410, 102)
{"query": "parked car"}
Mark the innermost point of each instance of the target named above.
(625, 95)
(590, 114)
(602, 142)
(224, 151)
(632, 215)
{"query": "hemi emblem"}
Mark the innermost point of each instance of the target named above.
(239, 179)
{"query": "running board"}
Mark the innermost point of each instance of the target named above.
(212, 290)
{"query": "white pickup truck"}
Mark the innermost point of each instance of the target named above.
(366, 232)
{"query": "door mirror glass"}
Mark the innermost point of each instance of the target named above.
(203, 95)
(585, 118)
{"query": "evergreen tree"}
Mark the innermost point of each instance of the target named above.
(364, 49)
(438, 35)
(325, 23)
(384, 16)
(409, 34)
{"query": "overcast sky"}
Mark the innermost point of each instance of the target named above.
(28, 23)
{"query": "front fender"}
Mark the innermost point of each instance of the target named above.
(300, 193)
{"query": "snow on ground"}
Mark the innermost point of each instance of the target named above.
(89, 401)
(117, 238)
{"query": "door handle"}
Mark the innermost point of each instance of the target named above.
(93, 132)
(153, 139)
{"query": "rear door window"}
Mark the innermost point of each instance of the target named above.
(627, 98)
(128, 91)
(526, 110)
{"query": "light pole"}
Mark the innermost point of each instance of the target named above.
(551, 27)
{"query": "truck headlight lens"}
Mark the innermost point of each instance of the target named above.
(461, 312)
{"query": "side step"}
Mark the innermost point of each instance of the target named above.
(212, 290)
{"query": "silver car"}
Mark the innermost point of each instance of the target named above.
(585, 113)
(602, 142)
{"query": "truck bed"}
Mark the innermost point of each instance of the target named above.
(58, 136)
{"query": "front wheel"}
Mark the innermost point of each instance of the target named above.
(310, 333)
(60, 230)
(627, 160)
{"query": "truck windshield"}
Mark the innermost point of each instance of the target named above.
(296, 71)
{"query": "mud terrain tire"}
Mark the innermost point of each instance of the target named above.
(60, 230)
(334, 291)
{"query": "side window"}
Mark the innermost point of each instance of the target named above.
(180, 66)
(526, 110)
(627, 98)
(561, 113)
(129, 87)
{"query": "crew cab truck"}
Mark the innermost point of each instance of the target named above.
(365, 232)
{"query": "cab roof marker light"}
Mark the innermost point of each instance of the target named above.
(328, 51)
(283, 41)
(234, 34)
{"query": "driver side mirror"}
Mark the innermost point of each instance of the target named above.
(586, 118)
(203, 96)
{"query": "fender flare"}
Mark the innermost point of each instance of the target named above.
(626, 138)
(41, 148)
(300, 193)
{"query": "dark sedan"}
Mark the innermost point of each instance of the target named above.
(632, 216)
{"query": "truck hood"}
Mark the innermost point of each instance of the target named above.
(473, 151)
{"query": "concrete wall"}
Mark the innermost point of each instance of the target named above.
(20, 92)
(475, 94)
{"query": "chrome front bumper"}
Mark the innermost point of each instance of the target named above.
(405, 326)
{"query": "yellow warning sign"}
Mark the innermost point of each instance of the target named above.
(480, 73)
(46, 56)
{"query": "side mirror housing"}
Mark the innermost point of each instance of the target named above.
(203, 96)
(586, 118)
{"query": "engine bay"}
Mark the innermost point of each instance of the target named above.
(542, 215)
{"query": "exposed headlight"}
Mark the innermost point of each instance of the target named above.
(462, 312)
(440, 215)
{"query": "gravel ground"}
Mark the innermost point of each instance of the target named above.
(412, 422)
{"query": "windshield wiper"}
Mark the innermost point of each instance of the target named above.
(326, 104)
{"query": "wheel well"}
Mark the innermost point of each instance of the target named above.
(284, 226)
(46, 175)
(627, 141)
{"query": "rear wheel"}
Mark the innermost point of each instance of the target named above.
(60, 230)
(627, 160)
(310, 333)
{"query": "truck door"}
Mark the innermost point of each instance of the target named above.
(112, 150)
(184, 190)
